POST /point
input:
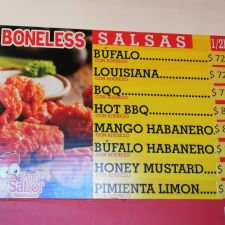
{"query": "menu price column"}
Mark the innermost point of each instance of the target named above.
(217, 75)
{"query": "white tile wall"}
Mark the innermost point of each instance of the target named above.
(183, 16)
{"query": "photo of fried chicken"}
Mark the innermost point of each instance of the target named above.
(31, 93)
(40, 134)
(46, 116)
(75, 120)
(10, 104)
(32, 142)
(37, 129)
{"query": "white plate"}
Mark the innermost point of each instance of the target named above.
(55, 86)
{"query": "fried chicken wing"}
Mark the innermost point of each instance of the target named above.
(10, 104)
(75, 121)
(32, 141)
(32, 94)
(44, 113)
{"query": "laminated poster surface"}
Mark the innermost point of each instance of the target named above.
(111, 114)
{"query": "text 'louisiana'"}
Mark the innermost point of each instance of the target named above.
(125, 72)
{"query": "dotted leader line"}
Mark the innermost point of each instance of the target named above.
(210, 172)
(175, 60)
(180, 114)
(166, 95)
(182, 78)
(208, 192)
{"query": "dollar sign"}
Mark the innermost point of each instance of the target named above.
(210, 57)
(213, 92)
(216, 129)
(221, 189)
(215, 111)
(219, 149)
(211, 74)
(219, 169)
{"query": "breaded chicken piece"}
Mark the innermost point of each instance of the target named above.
(44, 113)
(32, 141)
(32, 94)
(10, 104)
(75, 121)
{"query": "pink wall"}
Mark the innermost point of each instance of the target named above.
(111, 212)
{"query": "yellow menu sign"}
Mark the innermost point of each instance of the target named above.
(159, 116)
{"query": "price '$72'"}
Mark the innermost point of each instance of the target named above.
(218, 92)
(219, 58)
(217, 74)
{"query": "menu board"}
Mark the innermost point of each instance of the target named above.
(111, 114)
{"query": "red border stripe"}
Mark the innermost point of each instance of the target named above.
(221, 121)
(221, 139)
(220, 102)
(222, 159)
(218, 65)
(219, 84)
